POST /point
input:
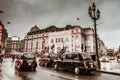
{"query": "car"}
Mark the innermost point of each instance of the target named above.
(118, 58)
(104, 59)
(77, 62)
(26, 61)
(111, 58)
(48, 59)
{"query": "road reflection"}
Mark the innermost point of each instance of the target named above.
(22, 75)
(42, 73)
(110, 66)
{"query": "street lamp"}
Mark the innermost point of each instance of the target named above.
(95, 15)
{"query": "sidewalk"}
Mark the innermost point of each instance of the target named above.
(110, 67)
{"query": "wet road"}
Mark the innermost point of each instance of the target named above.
(112, 66)
(9, 73)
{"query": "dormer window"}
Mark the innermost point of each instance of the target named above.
(76, 30)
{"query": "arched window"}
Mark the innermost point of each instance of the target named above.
(52, 41)
(61, 39)
(66, 40)
(37, 45)
(76, 30)
(56, 40)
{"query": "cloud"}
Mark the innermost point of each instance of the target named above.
(23, 14)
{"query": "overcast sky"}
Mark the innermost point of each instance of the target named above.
(24, 14)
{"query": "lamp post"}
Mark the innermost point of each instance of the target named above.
(95, 15)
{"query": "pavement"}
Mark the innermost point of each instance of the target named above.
(112, 67)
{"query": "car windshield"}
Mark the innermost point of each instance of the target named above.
(28, 56)
(86, 57)
(104, 57)
(53, 55)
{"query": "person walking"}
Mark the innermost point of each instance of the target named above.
(13, 58)
(1, 60)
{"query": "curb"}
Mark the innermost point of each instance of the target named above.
(108, 72)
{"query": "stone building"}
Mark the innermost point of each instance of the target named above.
(102, 49)
(3, 38)
(14, 44)
(68, 38)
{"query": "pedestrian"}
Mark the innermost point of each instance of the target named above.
(118, 58)
(1, 60)
(13, 58)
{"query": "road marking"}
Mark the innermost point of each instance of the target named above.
(56, 74)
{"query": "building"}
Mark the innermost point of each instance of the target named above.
(14, 44)
(3, 38)
(101, 47)
(110, 52)
(69, 38)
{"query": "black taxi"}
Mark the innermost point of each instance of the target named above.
(48, 59)
(76, 61)
(26, 61)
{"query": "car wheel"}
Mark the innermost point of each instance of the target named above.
(19, 69)
(56, 66)
(34, 69)
(77, 70)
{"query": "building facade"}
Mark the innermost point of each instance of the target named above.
(14, 44)
(101, 47)
(3, 38)
(69, 38)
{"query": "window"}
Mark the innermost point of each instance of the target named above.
(61, 39)
(31, 44)
(76, 57)
(63, 57)
(70, 56)
(72, 37)
(52, 41)
(28, 56)
(56, 40)
(82, 47)
(86, 56)
(72, 40)
(53, 55)
(66, 40)
(72, 45)
(76, 30)
(77, 36)
(36, 45)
